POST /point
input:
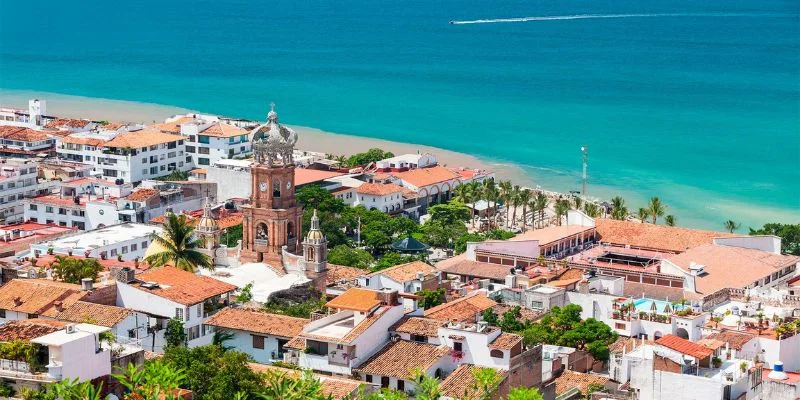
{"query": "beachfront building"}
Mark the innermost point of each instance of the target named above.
(71, 203)
(130, 156)
(127, 241)
(23, 142)
(18, 181)
(167, 292)
(405, 162)
(34, 117)
(386, 197)
(208, 139)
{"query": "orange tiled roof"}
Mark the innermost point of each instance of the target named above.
(418, 326)
(338, 273)
(90, 141)
(202, 171)
(684, 346)
(571, 379)
(461, 383)
(38, 296)
(626, 344)
(397, 359)
(460, 265)
(421, 177)
(505, 341)
(142, 194)
(735, 339)
(97, 314)
(405, 272)
(68, 123)
(379, 189)
(181, 286)
(355, 299)
(649, 236)
(28, 329)
(22, 134)
(221, 129)
(141, 138)
(731, 267)
(304, 176)
(258, 322)
(463, 309)
(298, 343)
(173, 126)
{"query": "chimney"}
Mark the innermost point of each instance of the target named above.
(87, 284)
(511, 281)
(583, 287)
(124, 275)
(18, 301)
(59, 305)
(388, 297)
(420, 276)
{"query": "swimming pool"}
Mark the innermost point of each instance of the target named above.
(645, 305)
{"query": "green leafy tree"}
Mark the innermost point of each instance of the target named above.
(731, 226)
(156, 379)
(643, 214)
(174, 176)
(438, 234)
(280, 385)
(431, 298)
(450, 213)
(490, 317)
(563, 326)
(367, 157)
(302, 309)
(460, 244)
(178, 246)
(246, 294)
(618, 208)
(541, 204)
(789, 234)
(315, 197)
(561, 208)
(232, 235)
(346, 255)
(72, 270)
(174, 334)
(670, 220)
(523, 393)
(591, 210)
(427, 386)
(656, 209)
(222, 336)
(212, 373)
(73, 389)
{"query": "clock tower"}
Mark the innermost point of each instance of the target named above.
(272, 220)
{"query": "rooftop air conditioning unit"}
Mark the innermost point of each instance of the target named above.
(70, 328)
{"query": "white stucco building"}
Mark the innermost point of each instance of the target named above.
(17, 183)
(128, 241)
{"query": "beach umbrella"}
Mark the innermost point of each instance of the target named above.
(667, 309)
(653, 307)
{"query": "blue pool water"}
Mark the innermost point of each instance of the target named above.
(644, 305)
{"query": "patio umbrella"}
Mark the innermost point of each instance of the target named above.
(653, 307)
(667, 309)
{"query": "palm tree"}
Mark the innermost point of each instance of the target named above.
(561, 208)
(656, 209)
(505, 188)
(524, 199)
(541, 204)
(178, 246)
(670, 220)
(578, 201)
(466, 193)
(643, 214)
(618, 208)
(731, 225)
(514, 200)
(591, 210)
(490, 194)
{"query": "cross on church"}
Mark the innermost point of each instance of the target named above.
(208, 191)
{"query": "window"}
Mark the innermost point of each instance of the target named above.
(457, 346)
(199, 310)
(134, 247)
(179, 313)
(190, 149)
(384, 381)
(204, 139)
(258, 342)
(231, 140)
(193, 332)
(619, 325)
(203, 150)
(419, 338)
(131, 333)
(401, 385)
(368, 378)
(496, 353)
(48, 209)
(33, 207)
(144, 160)
(113, 252)
(124, 249)
(2, 313)
(203, 161)
(144, 244)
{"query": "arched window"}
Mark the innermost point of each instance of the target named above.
(276, 188)
(310, 254)
(261, 232)
(290, 230)
(496, 353)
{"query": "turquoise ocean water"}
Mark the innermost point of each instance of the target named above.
(697, 102)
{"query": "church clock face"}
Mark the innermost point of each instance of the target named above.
(262, 186)
(288, 185)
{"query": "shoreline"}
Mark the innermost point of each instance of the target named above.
(694, 207)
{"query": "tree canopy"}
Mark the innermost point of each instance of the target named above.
(178, 246)
(72, 270)
(346, 255)
(371, 155)
(789, 234)
(563, 326)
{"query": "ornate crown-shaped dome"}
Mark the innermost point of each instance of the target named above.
(273, 143)
(206, 222)
(315, 233)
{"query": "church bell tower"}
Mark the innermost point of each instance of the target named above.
(272, 219)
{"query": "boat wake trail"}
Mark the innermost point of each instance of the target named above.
(595, 16)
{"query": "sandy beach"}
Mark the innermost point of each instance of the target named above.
(310, 138)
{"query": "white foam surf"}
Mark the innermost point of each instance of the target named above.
(592, 16)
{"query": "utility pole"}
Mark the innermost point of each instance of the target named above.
(358, 233)
(585, 151)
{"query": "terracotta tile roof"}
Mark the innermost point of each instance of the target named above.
(28, 329)
(97, 314)
(142, 194)
(506, 341)
(379, 189)
(421, 177)
(418, 326)
(460, 265)
(141, 138)
(405, 272)
(712, 344)
(298, 343)
(67, 123)
(552, 234)
(182, 287)
(201, 171)
(731, 267)
(339, 273)
(355, 299)
(736, 340)
(397, 359)
(463, 309)
(461, 383)
(304, 176)
(226, 221)
(571, 273)
(526, 313)
(649, 236)
(336, 387)
(221, 129)
(172, 126)
(38, 296)
(563, 283)
(258, 322)
(22, 134)
(90, 141)
(684, 346)
(571, 379)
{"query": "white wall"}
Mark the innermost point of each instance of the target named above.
(243, 341)
(771, 244)
(80, 359)
(230, 183)
(668, 385)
